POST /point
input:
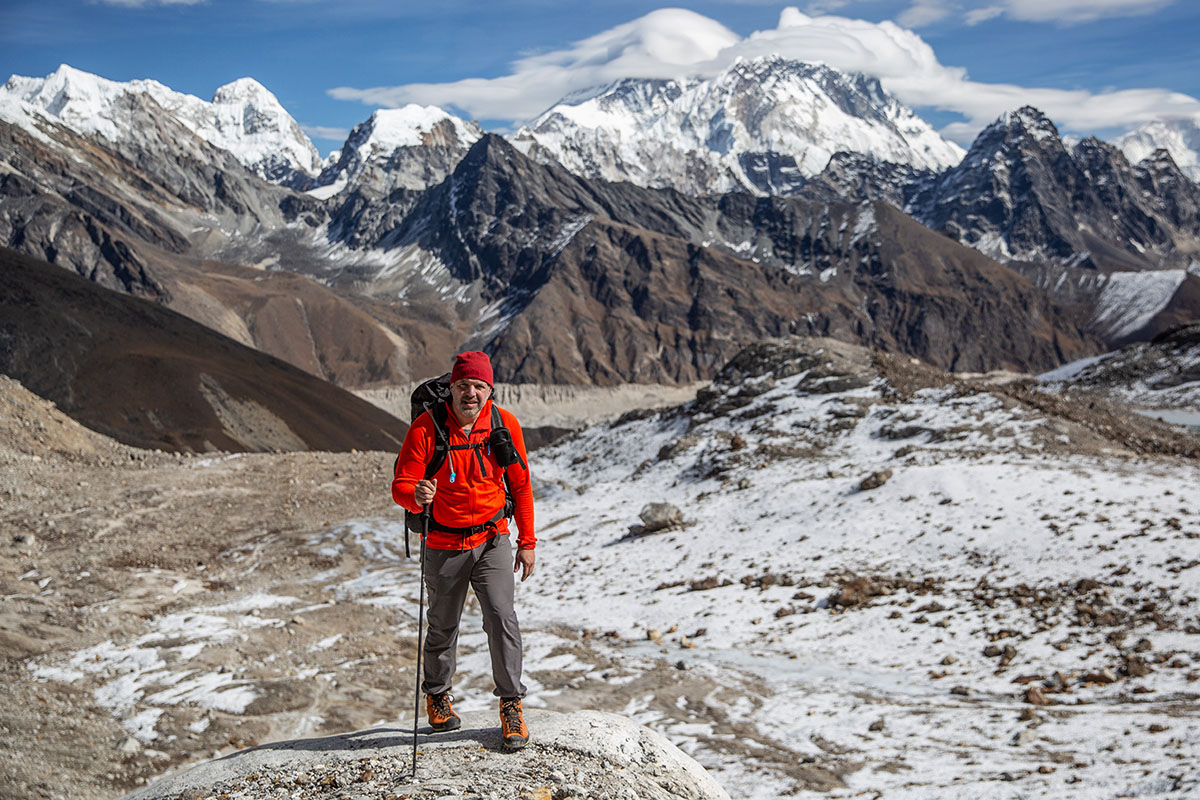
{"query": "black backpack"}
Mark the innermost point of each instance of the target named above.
(431, 397)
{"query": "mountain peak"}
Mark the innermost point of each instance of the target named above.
(762, 124)
(245, 89)
(243, 118)
(411, 147)
(1030, 120)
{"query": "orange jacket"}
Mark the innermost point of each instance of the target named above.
(472, 498)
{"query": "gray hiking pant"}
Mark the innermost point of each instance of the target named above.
(488, 569)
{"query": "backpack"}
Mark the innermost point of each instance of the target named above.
(431, 397)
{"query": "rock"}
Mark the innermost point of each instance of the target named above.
(1135, 667)
(877, 725)
(962, 691)
(875, 480)
(660, 516)
(854, 592)
(654, 635)
(609, 754)
(1035, 696)
(1024, 737)
(129, 745)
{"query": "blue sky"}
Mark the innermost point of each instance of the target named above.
(1095, 67)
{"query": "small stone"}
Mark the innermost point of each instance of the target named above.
(660, 516)
(948, 660)
(654, 634)
(1157, 728)
(875, 480)
(129, 745)
(1135, 667)
(1104, 676)
(877, 725)
(1035, 696)
(1045, 769)
(962, 691)
(1024, 737)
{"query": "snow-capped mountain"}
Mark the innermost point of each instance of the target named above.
(1179, 137)
(762, 125)
(243, 117)
(413, 147)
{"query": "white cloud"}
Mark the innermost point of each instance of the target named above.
(925, 12)
(1069, 11)
(673, 43)
(978, 15)
(325, 132)
(667, 43)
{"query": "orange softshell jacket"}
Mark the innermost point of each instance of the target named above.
(472, 498)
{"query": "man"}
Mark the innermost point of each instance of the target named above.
(468, 541)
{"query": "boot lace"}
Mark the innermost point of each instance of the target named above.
(441, 704)
(510, 712)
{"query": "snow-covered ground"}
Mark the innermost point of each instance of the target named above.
(999, 612)
(858, 623)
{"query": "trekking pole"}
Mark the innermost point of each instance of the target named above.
(420, 627)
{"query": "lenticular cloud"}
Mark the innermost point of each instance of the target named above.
(676, 43)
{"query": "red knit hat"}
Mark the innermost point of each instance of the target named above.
(472, 364)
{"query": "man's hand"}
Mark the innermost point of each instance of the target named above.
(524, 563)
(424, 491)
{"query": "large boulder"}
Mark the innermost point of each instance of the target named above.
(581, 754)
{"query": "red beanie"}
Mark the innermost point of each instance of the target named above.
(472, 364)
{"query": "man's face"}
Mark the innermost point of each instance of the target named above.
(467, 397)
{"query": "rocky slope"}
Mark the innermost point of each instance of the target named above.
(143, 374)
(763, 125)
(660, 286)
(1161, 374)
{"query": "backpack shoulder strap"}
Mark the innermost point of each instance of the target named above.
(441, 439)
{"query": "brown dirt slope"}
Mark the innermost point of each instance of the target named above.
(149, 377)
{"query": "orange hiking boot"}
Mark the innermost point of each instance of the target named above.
(512, 724)
(441, 715)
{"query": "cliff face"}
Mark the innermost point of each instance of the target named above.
(581, 754)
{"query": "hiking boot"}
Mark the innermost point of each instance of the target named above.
(441, 715)
(512, 724)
